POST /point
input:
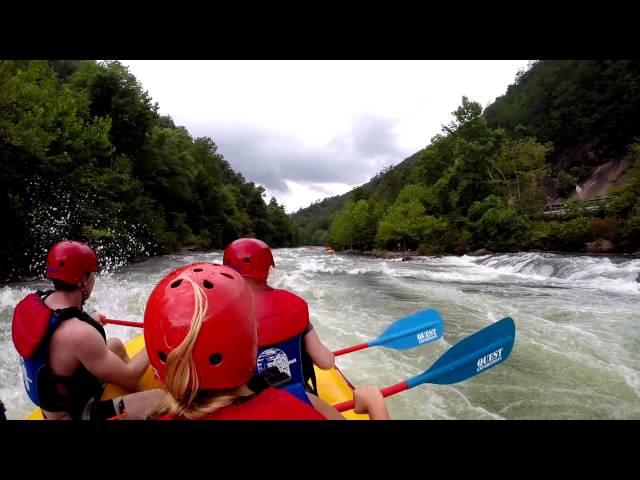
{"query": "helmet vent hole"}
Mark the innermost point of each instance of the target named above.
(61, 264)
(215, 359)
(176, 283)
(162, 356)
(247, 260)
(207, 284)
(197, 269)
(227, 275)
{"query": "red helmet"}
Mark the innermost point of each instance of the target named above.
(226, 348)
(70, 261)
(249, 257)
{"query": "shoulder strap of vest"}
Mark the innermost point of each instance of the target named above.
(74, 312)
(307, 364)
(309, 370)
(308, 329)
(43, 294)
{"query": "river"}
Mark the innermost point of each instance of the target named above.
(577, 351)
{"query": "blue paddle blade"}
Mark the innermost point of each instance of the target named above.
(417, 329)
(475, 354)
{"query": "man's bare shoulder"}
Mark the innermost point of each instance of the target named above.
(78, 335)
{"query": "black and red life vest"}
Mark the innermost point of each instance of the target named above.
(32, 328)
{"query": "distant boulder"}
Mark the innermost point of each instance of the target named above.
(482, 251)
(600, 245)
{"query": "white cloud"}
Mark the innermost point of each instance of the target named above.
(300, 195)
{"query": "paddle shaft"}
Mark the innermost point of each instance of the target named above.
(124, 323)
(355, 348)
(386, 392)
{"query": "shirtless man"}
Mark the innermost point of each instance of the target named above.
(65, 356)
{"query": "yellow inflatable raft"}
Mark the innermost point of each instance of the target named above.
(332, 385)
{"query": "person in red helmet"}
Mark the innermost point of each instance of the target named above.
(65, 356)
(202, 341)
(286, 336)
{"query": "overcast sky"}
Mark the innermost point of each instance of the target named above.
(306, 130)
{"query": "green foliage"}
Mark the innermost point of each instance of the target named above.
(569, 102)
(281, 230)
(318, 237)
(353, 227)
(625, 199)
(488, 174)
(632, 229)
(406, 222)
(501, 229)
(467, 112)
(380, 192)
(556, 235)
(317, 218)
(434, 160)
(565, 184)
(421, 193)
(518, 170)
(478, 209)
(85, 155)
(473, 147)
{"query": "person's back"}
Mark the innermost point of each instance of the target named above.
(271, 404)
(285, 333)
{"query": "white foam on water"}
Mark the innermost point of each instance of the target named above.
(575, 342)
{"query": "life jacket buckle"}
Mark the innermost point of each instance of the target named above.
(270, 377)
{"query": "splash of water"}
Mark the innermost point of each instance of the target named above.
(66, 216)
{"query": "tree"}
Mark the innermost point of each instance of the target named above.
(354, 226)
(467, 112)
(420, 193)
(318, 237)
(407, 221)
(114, 92)
(435, 159)
(501, 228)
(487, 172)
(517, 171)
(85, 155)
(341, 232)
(565, 184)
(284, 232)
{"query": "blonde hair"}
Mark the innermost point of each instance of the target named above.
(183, 398)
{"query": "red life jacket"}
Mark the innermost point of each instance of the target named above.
(281, 315)
(283, 320)
(271, 404)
